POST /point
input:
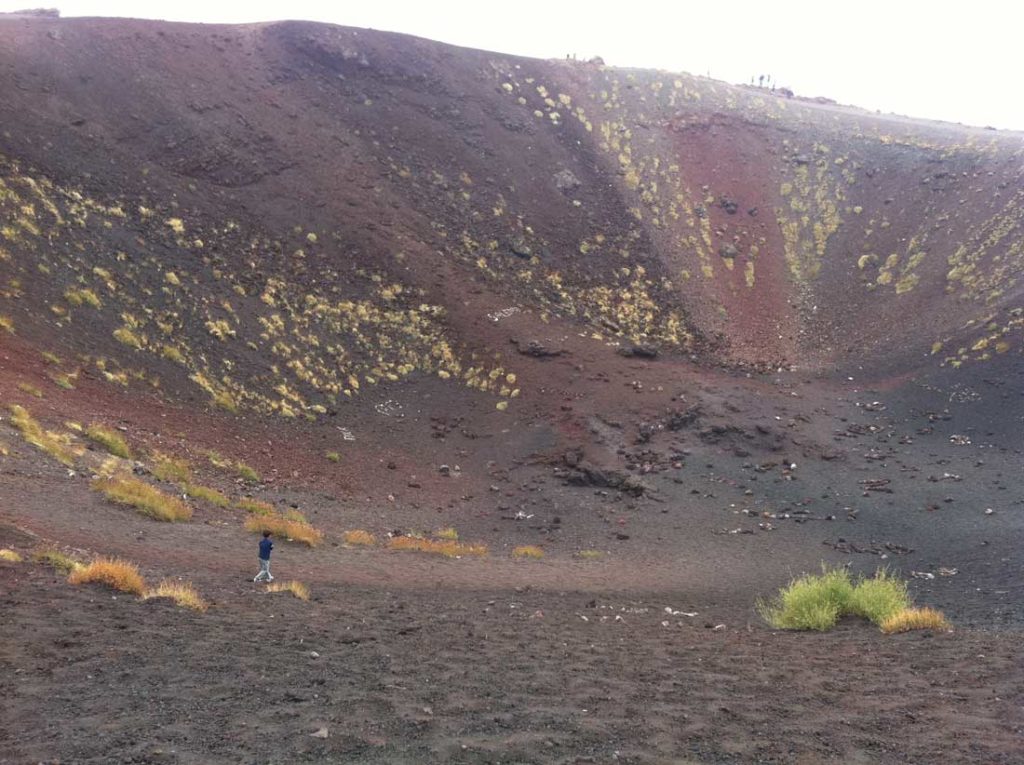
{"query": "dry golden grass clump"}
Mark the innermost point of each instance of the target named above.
(589, 554)
(254, 506)
(292, 530)
(10, 556)
(446, 547)
(182, 593)
(110, 440)
(65, 564)
(359, 538)
(527, 551)
(171, 469)
(45, 440)
(206, 494)
(113, 572)
(6, 324)
(915, 619)
(298, 589)
(146, 499)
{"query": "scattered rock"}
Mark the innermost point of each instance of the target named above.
(640, 351)
(537, 350)
(520, 248)
(320, 733)
(566, 181)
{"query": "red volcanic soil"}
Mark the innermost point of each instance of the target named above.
(497, 291)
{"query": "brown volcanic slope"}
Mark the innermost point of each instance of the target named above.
(710, 335)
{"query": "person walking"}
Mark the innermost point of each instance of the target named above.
(265, 547)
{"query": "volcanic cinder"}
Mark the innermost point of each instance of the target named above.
(680, 339)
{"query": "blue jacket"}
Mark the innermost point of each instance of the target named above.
(265, 547)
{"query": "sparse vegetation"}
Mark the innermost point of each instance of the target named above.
(110, 440)
(64, 380)
(247, 473)
(65, 564)
(915, 619)
(589, 554)
(817, 601)
(244, 471)
(286, 528)
(171, 469)
(298, 589)
(333, 456)
(447, 533)
(10, 556)
(218, 460)
(50, 358)
(447, 548)
(255, 506)
(6, 324)
(113, 572)
(30, 389)
(182, 593)
(146, 499)
(81, 296)
(527, 551)
(47, 441)
(129, 338)
(206, 494)
(359, 538)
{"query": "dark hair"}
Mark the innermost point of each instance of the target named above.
(266, 534)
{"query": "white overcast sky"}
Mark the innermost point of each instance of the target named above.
(960, 62)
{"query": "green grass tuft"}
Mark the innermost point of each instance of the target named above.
(810, 602)
(879, 598)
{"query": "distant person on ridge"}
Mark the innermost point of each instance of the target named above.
(265, 547)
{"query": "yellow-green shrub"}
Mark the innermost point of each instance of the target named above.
(206, 494)
(65, 564)
(254, 506)
(445, 547)
(815, 602)
(527, 551)
(359, 538)
(171, 469)
(144, 498)
(46, 441)
(109, 439)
